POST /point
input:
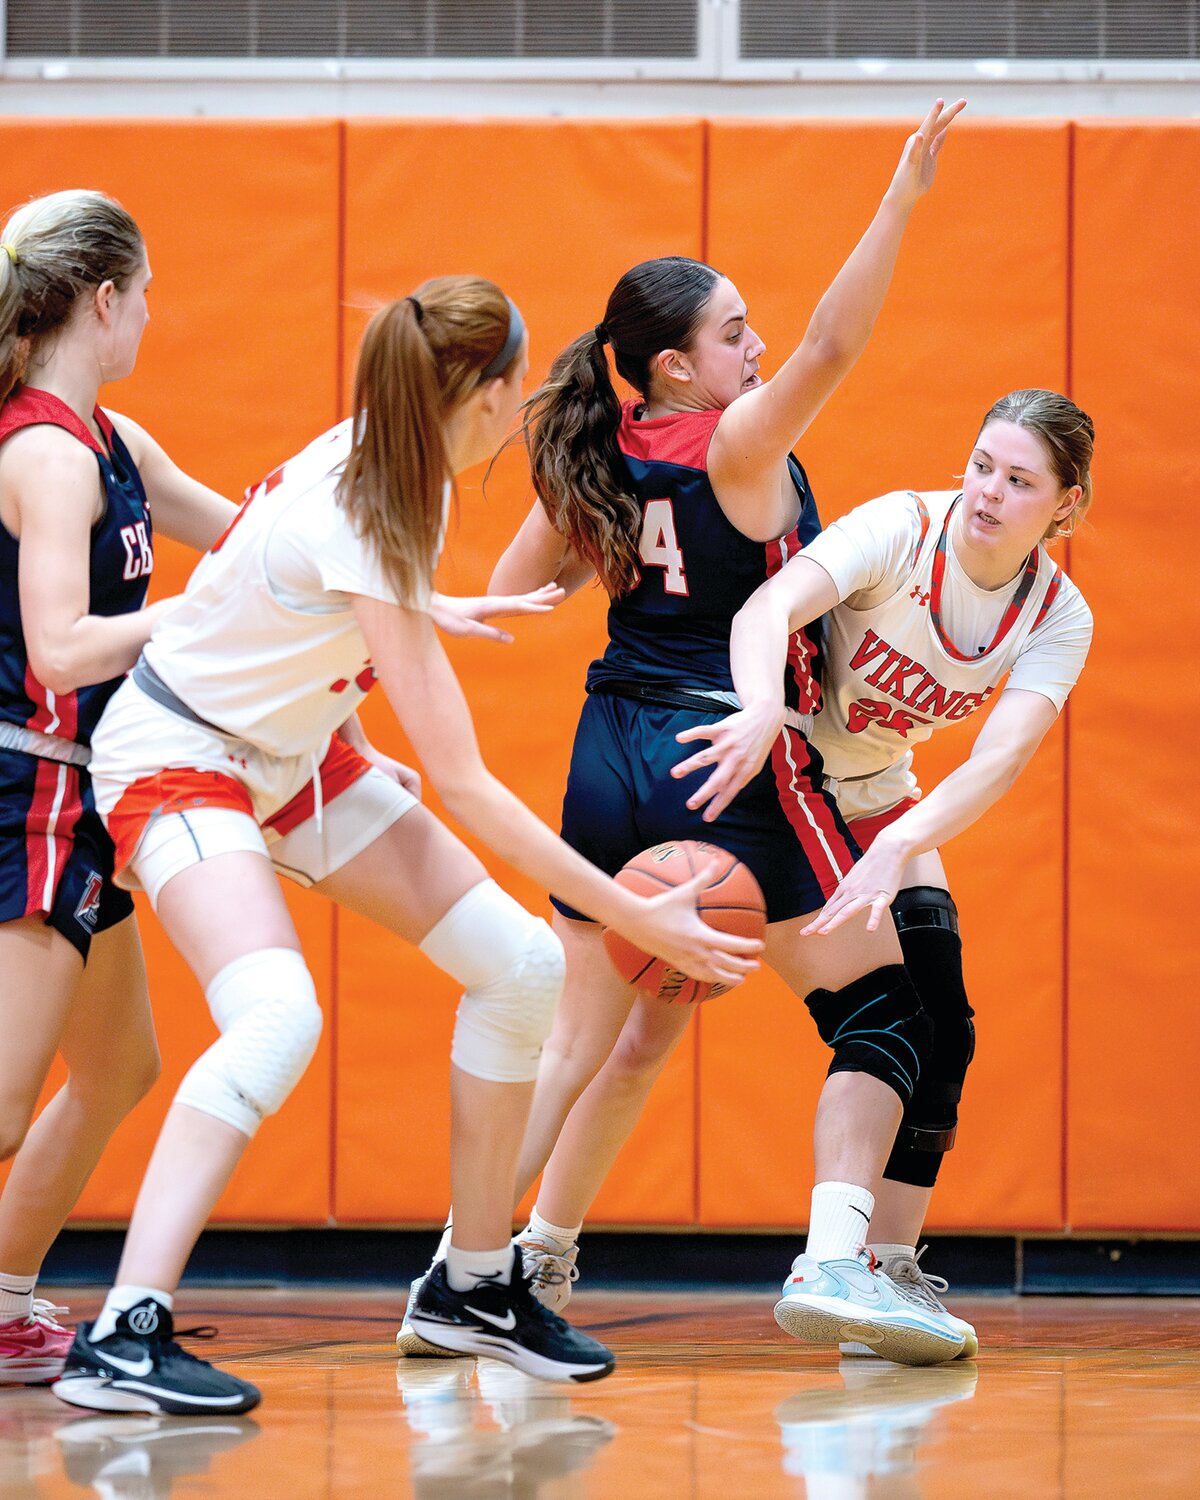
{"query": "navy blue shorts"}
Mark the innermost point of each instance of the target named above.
(621, 799)
(55, 857)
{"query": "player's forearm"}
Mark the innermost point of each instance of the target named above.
(958, 801)
(758, 645)
(95, 648)
(498, 817)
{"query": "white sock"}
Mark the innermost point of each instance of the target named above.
(120, 1300)
(888, 1255)
(467, 1268)
(444, 1243)
(561, 1236)
(839, 1220)
(16, 1296)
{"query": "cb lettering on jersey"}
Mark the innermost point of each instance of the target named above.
(139, 555)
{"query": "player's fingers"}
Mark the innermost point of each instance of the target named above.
(697, 732)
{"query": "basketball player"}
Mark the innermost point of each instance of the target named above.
(76, 551)
(932, 600)
(682, 501)
(232, 751)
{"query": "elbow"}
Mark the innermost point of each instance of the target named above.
(56, 673)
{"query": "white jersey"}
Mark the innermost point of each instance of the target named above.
(264, 643)
(916, 645)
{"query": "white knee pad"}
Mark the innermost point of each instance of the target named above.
(512, 966)
(265, 1006)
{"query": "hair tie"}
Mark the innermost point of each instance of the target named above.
(10, 251)
(602, 334)
(417, 308)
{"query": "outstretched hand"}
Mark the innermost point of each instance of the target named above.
(914, 175)
(739, 746)
(468, 617)
(670, 926)
(870, 886)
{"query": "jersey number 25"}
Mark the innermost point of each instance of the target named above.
(659, 547)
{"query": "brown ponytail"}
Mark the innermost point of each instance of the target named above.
(571, 421)
(420, 357)
(54, 250)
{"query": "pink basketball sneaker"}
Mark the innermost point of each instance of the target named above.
(33, 1349)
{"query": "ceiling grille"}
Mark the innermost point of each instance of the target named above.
(501, 29)
(947, 29)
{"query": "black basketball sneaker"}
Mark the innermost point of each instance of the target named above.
(506, 1323)
(140, 1367)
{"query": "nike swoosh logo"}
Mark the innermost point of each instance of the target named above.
(505, 1324)
(855, 1209)
(142, 1366)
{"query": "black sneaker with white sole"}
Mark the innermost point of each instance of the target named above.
(506, 1323)
(140, 1367)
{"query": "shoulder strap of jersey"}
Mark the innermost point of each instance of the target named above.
(30, 407)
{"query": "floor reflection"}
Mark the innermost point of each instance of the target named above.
(858, 1438)
(487, 1432)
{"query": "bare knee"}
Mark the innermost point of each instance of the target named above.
(638, 1059)
(121, 1083)
(14, 1126)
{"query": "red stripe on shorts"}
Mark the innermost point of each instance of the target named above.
(49, 831)
(867, 830)
(342, 767)
(177, 789)
(807, 811)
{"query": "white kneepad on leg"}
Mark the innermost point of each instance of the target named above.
(512, 967)
(265, 1006)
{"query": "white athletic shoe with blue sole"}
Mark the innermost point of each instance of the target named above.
(835, 1301)
(917, 1285)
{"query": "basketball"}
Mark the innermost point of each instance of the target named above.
(731, 901)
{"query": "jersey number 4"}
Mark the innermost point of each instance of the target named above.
(659, 546)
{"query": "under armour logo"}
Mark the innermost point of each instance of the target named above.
(144, 1319)
(920, 596)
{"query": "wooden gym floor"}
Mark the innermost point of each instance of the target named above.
(1076, 1399)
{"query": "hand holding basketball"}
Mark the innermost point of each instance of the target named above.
(703, 882)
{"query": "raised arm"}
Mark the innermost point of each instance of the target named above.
(1014, 729)
(758, 431)
(799, 593)
(425, 694)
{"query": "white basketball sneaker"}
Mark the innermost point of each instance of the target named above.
(827, 1302)
(920, 1288)
(550, 1271)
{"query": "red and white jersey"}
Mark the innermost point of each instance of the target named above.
(915, 645)
(264, 643)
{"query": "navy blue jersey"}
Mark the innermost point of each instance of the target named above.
(122, 557)
(697, 569)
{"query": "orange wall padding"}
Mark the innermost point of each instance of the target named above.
(238, 368)
(1048, 254)
(973, 311)
(554, 212)
(1134, 1024)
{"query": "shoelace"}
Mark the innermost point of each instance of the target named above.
(48, 1314)
(918, 1285)
(546, 1267)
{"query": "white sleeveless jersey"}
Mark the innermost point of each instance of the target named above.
(915, 645)
(264, 643)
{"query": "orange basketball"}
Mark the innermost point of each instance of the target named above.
(731, 901)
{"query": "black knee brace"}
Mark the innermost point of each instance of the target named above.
(927, 925)
(875, 1025)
